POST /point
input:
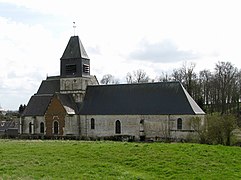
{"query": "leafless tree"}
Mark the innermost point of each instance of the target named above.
(238, 93)
(204, 79)
(164, 77)
(186, 76)
(129, 78)
(138, 76)
(225, 74)
(109, 79)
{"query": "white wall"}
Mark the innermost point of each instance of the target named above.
(36, 120)
(72, 125)
(155, 126)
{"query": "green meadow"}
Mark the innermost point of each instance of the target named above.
(31, 159)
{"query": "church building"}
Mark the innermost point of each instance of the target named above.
(75, 105)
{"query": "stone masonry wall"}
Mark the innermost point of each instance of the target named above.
(154, 126)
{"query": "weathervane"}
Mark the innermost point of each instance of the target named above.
(74, 26)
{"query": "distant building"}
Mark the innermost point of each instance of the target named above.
(73, 104)
(2, 111)
(9, 128)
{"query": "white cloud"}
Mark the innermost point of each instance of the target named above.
(161, 52)
(33, 37)
(26, 58)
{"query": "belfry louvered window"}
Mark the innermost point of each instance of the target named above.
(71, 69)
(86, 68)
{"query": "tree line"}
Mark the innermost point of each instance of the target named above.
(214, 91)
(217, 92)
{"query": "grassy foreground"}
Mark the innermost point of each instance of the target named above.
(116, 160)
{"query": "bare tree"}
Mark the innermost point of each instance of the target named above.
(238, 94)
(177, 75)
(129, 78)
(109, 79)
(164, 77)
(225, 74)
(205, 77)
(186, 76)
(200, 128)
(138, 76)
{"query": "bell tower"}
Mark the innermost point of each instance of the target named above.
(75, 70)
(75, 61)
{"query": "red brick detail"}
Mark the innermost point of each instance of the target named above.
(55, 112)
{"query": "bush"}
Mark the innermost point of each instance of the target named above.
(216, 129)
(200, 129)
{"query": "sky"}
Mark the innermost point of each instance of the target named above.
(119, 36)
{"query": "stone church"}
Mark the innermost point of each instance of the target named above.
(75, 105)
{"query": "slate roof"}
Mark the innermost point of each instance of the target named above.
(161, 98)
(74, 52)
(5, 125)
(39, 102)
(49, 86)
(37, 105)
(68, 103)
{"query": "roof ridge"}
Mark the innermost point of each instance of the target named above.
(136, 84)
(50, 78)
(42, 94)
(196, 109)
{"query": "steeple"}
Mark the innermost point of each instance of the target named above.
(75, 61)
(74, 49)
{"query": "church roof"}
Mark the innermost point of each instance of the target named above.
(161, 98)
(74, 49)
(39, 102)
(37, 105)
(49, 86)
(68, 103)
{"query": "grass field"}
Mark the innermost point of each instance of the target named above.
(116, 160)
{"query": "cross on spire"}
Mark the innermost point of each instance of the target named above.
(74, 26)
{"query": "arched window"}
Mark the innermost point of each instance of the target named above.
(30, 128)
(142, 126)
(142, 131)
(179, 123)
(142, 121)
(56, 127)
(92, 123)
(41, 127)
(117, 127)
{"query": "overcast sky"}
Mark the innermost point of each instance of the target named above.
(119, 36)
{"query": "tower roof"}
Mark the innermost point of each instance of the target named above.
(74, 49)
